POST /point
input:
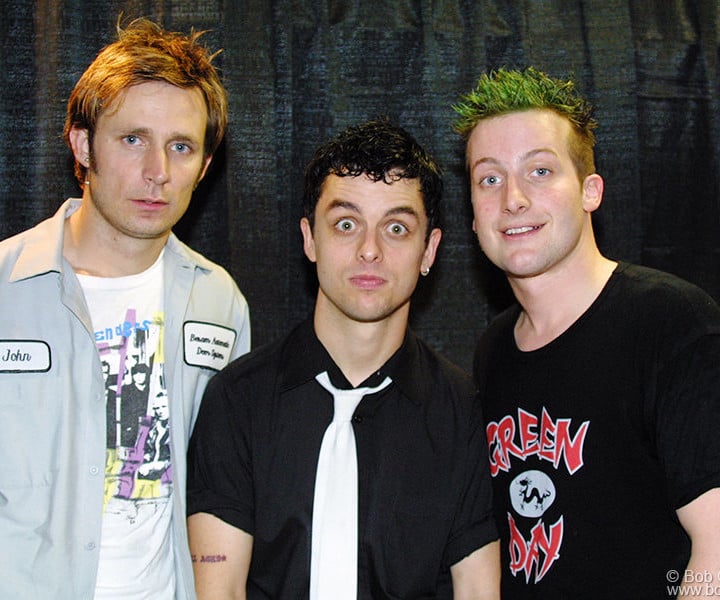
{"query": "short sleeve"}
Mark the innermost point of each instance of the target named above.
(474, 522)
(688, 419)
(219, 462)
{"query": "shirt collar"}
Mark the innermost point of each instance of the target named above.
(43, 244)
(304, 357)
(405, 370)
(42, 250)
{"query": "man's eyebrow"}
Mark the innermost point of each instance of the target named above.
(351, 206)
(536, 151)
(337, 203)
(483, 160)
(403, 210)
(183, 137)
(528, 155)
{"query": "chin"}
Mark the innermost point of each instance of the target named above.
(366, 315)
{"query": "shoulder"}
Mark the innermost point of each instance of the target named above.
(433, 373)
(44, 233)
(34, 251)
(180, 254)
(668, 300)
(503, 323)
(442, 367)
(644, 280)
(212, 287)
(16, 241)
(498, 333)
(444, 398)
(257, 369)
(10, 248)
(245, 387)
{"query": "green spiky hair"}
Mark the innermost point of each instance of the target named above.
(505, 91)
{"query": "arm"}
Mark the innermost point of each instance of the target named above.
(477, 576)
(221, 557)
(701, 520)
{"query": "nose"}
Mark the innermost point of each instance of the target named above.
(156, 166)
(515, 199)
(369, 250)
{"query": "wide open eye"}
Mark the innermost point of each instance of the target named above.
(345, 225)
(396, 228)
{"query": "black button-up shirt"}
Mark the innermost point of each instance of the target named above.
(423, 479)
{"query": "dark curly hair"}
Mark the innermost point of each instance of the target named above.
(382, 151)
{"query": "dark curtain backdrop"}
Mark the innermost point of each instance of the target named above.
(299, 71)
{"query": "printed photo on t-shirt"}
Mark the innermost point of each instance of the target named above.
(138, 436)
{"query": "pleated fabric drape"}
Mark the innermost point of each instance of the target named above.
(298, 71)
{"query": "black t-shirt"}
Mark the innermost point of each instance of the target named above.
(598, 437)
(424, 486)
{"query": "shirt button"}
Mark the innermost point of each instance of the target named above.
(94, 470)
(357, 419)
(90, 546)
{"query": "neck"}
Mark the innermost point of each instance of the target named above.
(102, 251)
(358, 348)
(553, 301)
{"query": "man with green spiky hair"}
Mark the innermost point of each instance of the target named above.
(600, 386)
(515, 91)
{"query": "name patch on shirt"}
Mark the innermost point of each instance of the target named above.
(208, 345)
(24, 356)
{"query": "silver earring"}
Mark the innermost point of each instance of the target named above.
(425, 272)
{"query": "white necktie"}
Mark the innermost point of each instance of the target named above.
(333, 561)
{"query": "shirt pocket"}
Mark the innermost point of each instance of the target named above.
(31, 418)
(26, 469)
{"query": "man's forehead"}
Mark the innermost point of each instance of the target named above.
(149, 93)
(336, 187)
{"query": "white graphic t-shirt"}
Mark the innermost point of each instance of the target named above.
(136, 554)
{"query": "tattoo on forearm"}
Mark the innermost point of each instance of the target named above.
(209, 558)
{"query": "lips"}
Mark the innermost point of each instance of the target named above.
(150, 202)
(367, 282)
(520, 230)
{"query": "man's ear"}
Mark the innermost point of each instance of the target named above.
(308, 240)
(204, 170)
(431, 250)
(593, 187)
(80, 144)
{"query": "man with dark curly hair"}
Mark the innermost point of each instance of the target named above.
(102, 311)
(601, 386)
(288, 498)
